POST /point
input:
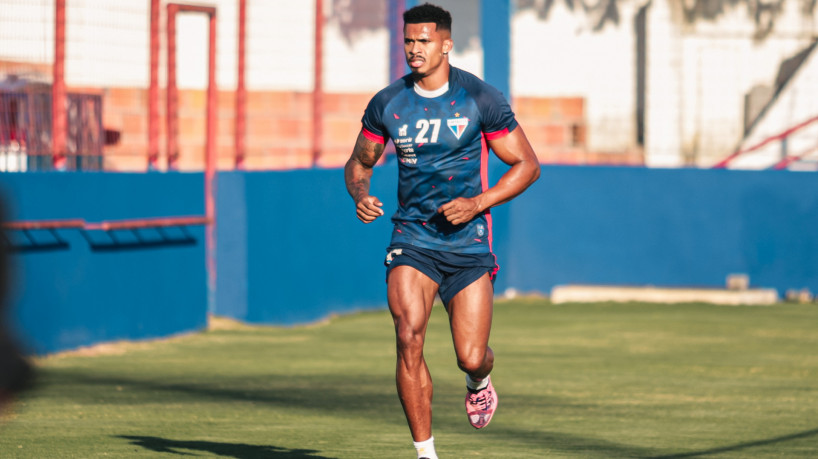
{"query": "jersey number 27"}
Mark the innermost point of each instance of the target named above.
(423, 125)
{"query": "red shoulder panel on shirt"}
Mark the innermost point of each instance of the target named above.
(373, 137)
(497, 134)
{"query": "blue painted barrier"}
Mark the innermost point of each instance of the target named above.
(664, 227)
(73, 288)
(290, 249)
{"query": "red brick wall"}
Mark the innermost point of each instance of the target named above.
(557, 129)
(279, 129)
(280, 135)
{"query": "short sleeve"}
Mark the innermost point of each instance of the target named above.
(372, 120)
(496, 115)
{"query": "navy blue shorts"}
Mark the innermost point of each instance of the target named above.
(451, 271)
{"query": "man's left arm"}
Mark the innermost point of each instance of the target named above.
(514, 150)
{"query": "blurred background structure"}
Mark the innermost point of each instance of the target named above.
(266, 97)
(660, 83)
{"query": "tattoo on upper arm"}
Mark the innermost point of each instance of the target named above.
(359, 168)
(367, 152)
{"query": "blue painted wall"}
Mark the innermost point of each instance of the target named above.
(674, 227)
(82, 288)
(291, 250)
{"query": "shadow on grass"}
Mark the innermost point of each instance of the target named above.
(564, 443)
(368, 395)
(594, 447)
(591, 446)
(236, 450)
(742, 446)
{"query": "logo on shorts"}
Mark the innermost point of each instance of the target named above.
(481, 230)
(391, 255)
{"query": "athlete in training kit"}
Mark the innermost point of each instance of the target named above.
(442, 121)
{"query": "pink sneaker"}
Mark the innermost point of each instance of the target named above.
(480, 406)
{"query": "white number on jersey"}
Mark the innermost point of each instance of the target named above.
(423, 125)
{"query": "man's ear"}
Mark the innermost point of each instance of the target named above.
(448, 44)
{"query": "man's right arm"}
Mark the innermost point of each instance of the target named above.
(357, 174)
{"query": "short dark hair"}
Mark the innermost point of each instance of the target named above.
(429, 13)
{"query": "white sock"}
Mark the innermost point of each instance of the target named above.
(476, 385)
(426, 448)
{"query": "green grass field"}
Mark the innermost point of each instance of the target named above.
(575, 381)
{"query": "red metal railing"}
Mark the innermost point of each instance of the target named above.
(778, 137)
(161, 222)
(108, 225)
(58, 113)
(45, 224)
(784, 163)
(241, 90)
(153, 91)
(318, 88)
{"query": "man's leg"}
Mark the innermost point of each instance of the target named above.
(411, 295)
(470, 314)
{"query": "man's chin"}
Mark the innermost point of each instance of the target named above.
(417, 71)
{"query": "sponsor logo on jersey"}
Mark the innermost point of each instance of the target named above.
(402, 130)
(457, 126)
(405, 150)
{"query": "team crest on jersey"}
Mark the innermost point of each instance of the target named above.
(457, 125)
(481, 230)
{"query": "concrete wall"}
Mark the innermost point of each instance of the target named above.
(74, 288)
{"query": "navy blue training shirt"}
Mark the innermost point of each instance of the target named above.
(441, 147)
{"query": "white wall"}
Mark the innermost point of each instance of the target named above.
(796, 104)
(358, 65)
(563, 56)
(722, 62)
(107, 45)
(280, 45)
(696, 78)
(663, 89)
(697, 74)
(26, 29)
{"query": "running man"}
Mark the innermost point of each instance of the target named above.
(442, 121)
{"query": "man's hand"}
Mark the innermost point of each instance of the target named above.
(368, 209)
(460, 210)
(358, 172)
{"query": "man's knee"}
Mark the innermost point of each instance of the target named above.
(472, 361)
(409, 339)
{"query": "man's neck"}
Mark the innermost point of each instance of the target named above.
(434, 80)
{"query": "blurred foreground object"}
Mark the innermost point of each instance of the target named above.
(15, 372)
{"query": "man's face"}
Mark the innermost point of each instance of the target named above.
(424, 46)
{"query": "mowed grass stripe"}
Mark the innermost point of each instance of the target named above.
(575, 381)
